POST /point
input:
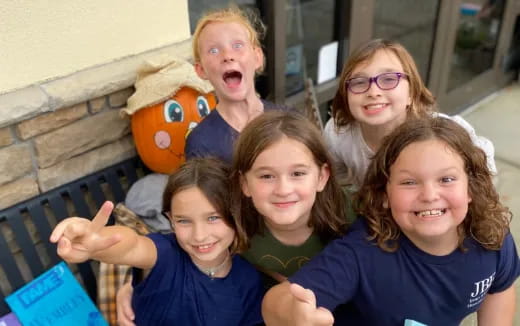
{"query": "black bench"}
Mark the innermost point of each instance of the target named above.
(79, 198)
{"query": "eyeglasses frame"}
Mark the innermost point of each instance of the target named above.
(374, 80)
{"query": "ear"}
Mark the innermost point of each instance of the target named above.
(385, 203)
(200, 70)
(323, 177)
(244, 186)
(259, 58)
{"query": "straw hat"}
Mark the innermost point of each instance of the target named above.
(160, 78)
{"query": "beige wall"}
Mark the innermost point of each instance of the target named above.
(45, 39)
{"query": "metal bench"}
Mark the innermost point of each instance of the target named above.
(29, 225)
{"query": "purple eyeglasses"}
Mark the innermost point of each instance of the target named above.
(385, 81)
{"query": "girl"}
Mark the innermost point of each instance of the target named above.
(434, 247)
(380, 88)
(227, 52)
(284, 195)
(194, 277)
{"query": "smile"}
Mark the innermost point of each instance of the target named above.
(284, 204)
(205, 247)
(375, 108)
(431, 213)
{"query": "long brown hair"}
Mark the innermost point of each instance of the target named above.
(486, 221)
(422, 100)
(328, 212)
(211, 177)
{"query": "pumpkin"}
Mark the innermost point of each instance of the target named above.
(160, 131)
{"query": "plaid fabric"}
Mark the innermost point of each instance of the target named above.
(111, 277)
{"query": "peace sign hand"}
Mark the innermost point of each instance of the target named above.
(79, 238)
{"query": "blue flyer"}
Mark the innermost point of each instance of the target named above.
(54, 298)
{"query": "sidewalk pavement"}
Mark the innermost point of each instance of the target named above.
(497, 118)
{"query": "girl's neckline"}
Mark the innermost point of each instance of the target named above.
(212, 271)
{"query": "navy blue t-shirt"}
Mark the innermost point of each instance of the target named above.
(382, 288)
(177, 293)
(213, 136)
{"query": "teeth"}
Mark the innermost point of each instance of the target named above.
(433, 212)
(204, 246)
(374, 106)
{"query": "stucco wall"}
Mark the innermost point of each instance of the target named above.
(46, 39)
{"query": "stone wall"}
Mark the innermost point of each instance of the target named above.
(58, 131)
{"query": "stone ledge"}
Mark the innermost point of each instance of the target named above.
(91, 83)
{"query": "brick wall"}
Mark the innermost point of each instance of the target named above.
(58, 131)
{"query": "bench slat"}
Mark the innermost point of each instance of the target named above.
(26, 245)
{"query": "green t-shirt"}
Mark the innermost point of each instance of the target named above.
(270, 254)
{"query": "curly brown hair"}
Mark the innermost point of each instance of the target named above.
(487, 221)
(422, 100)
(211, 177)
(328, 212)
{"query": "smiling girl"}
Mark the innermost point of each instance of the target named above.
(434, 245)
(194, 276)
(380, 88)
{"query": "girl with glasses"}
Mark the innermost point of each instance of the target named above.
(193, 276)
(380, 88)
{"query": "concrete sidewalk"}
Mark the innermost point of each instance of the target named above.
(497, 117)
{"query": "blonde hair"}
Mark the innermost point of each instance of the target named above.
(486, 221)
(247, 18)
(422, 100)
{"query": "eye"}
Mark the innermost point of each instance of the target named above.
(173, 111)
(299, 173)
(358, 81)
(202, 106)
(266, 176)
(213, 218)
(407, 182)
(182, 221)
(447, 179)
(238, 45)
(213, 51)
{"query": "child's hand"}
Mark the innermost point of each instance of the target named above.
(304, 310)
(78, 238)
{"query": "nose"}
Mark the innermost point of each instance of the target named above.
(373, 89)
(283, 186)
(429, 192)
(228, 55)
(199, 232)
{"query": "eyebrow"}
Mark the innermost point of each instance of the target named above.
(295, 166)
(382, 71)
(450, 169)
(210, 213)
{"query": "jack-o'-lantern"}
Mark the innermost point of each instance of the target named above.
(169, 101)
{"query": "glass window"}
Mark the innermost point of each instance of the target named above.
(310, 27)
(411, 23)
(197, 8)
(476, 41)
